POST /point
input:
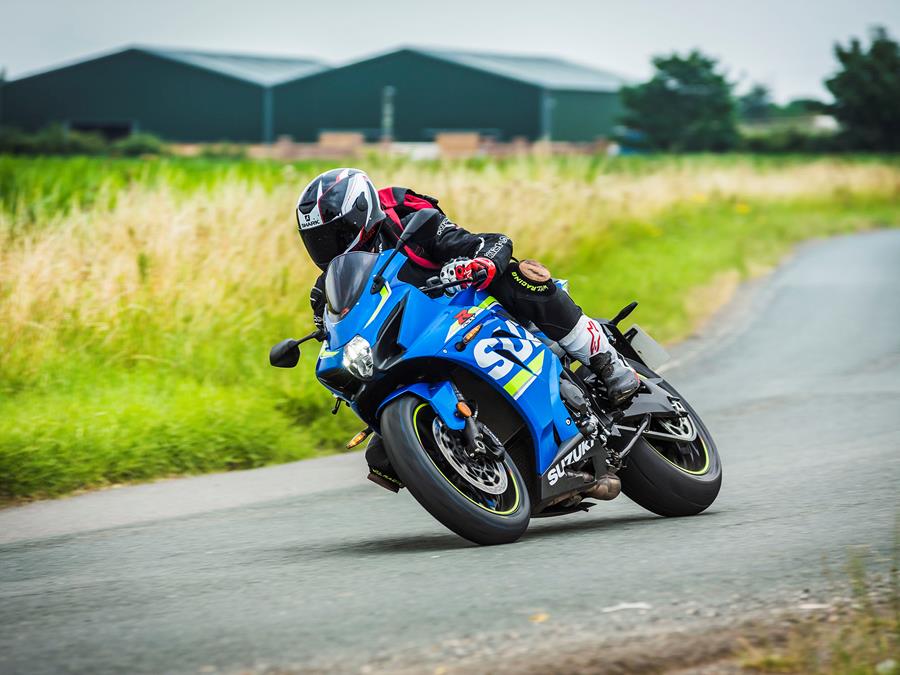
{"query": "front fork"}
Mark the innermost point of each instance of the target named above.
(473, 431)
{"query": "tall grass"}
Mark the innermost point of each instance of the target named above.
(138, 298)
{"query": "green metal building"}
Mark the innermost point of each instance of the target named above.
(178, 95)
(412, 94)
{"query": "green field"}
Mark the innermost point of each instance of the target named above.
(138, 298)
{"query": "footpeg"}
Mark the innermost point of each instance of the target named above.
(384, 481)
(606, 489)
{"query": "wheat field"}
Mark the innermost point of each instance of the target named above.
(138, 299)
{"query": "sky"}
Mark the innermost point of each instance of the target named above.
(784, 44)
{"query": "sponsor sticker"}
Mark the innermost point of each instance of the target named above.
(310, 220)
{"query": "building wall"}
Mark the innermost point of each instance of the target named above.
(431, 95)
(173, 100)
(583, 116)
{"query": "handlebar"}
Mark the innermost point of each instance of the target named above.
(479, 276)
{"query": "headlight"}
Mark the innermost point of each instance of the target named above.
(358, 358)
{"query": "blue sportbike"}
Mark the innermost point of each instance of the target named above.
(487, 422)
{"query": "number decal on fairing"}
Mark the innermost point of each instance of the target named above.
(488, 355)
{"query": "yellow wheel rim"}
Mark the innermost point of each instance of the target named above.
(512, 478)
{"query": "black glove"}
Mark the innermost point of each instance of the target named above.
(317, 302)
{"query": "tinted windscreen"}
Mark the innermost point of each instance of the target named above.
(347, 277)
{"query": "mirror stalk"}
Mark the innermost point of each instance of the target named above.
(286, 353)
(414, 225)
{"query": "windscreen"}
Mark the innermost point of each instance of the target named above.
(347, 277)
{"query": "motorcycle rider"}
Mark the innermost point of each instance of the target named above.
(341, 211)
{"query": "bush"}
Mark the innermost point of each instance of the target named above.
(139, 144)
(12, 141)
(57, 140)
(788, 140)
(223, 151)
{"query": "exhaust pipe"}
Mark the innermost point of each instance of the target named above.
(607, 488)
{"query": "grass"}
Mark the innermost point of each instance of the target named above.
(138, 298)
(861, 636)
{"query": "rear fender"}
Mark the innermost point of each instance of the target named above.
(440, 397)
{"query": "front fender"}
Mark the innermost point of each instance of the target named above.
(440, 397)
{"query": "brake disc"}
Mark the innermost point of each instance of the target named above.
(482, 471)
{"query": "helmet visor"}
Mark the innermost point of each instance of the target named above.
(326, 242)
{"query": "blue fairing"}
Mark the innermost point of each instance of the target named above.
(431, 328)
(440, 396)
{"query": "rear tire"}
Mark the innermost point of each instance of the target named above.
(659, 485)
(405, 429)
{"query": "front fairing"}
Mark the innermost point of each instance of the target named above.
(431, 329)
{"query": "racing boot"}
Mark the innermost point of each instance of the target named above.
(380, 470)
(587, 343)
(621, 381)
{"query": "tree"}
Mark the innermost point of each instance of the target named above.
(756, 104)
(686, 105)
(866, 92)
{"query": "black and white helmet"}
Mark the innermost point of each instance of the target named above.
(338, 211)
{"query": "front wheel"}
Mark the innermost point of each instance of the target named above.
(672, 477)
(482, 499)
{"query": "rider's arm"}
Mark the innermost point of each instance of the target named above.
(448, 241)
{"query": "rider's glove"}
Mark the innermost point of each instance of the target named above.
(317, 302)
(482, 270)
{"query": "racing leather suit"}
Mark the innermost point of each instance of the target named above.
(524, 289)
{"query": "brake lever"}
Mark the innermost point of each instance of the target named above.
(440, 287)
(480, 275)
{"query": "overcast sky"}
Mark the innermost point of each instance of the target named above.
(785, 44)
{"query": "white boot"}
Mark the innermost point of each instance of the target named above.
(587, 343)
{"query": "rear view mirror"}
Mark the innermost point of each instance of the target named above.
(285, 354)
(412, 228)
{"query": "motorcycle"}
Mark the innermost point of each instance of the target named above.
(489, 423)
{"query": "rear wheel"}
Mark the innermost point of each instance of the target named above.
(673, 477)
(480, 498)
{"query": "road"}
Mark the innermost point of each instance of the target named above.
(308, 566)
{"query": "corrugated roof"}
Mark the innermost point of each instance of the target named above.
(264, 70)
(544, 71)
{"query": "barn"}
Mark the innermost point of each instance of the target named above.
(412, 94)
(179, 95)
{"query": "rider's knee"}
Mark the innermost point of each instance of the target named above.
(533, 278)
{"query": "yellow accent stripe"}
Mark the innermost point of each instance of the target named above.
(385, 293)
(481, 506)
(524, 377)
(512, 387)
(537, 363)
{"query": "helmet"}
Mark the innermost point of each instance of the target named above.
(337, 212)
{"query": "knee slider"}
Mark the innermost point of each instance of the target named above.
(533, 280)
(534, 271)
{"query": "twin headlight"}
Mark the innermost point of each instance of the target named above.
(358, 358)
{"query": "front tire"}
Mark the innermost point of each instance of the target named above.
(409, 427)
(656, 479)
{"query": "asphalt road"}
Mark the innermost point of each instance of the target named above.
(308, 566)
